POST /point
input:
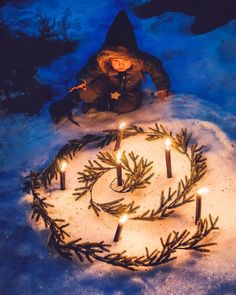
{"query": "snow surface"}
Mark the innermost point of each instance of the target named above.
(202, 71)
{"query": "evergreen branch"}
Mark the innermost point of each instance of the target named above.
(180, 196)
(179, 141)
(115, 208)
(133, 130)
(137, 176)
(39, 207)
(66, 152)
(174, 241)
(111, 134)
(93, 171)
(158, 132)
(58, 234)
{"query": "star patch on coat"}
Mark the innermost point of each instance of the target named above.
(115, 95)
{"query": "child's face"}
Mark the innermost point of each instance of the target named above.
(120, 65)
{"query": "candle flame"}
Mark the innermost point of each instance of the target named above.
(123, 219)
(118, 157)
(203, 190)
(122, 125)
(168, 143)
(63, 166)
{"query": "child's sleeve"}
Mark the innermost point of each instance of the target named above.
(154, 67)
(89, 72)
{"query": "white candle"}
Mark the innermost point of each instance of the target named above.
(199, 203)
(63, 166)
(119, 228)
(120, 135)
(168, 157)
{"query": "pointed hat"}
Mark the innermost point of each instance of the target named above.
(121, 33)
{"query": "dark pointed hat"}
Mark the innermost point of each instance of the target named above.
(121, 33)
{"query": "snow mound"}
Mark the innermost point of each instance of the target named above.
(220, 155)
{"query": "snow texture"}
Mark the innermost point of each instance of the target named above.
(202, 71)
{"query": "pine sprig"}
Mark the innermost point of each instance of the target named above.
(198, 168)
(115, 208)
(111, 134)
(108, 158)
(180, 141)
(133, 130)
(92, 172)
(198, 163)
(170, 245)
(157, 132)
(66, 153)
(58, 233)
(82, 250)
(137, 176)
(40, 207)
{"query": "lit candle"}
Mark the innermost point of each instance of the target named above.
(199, 203)
(119, 228)
(63, 175)
(168, 158)
(119, 169)
(119, 135)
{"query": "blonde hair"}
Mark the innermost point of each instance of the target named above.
(105, 56)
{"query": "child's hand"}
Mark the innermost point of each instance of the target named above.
(80, 85)
(163, 94)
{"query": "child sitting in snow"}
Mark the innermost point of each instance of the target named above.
(111, 80)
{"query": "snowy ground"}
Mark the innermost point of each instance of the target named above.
(202, 70)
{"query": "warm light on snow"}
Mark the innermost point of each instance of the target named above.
(203, 105)
(63, 166)
(203, 190)
(123, 219)
(168, 143)
(122, 125)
